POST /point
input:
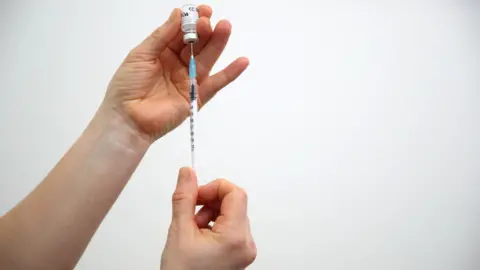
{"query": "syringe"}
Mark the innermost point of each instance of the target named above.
(189, 28)
(192, 70)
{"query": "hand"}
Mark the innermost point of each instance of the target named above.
(151, 88)
(192, 244)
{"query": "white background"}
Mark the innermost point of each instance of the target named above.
(355, 130)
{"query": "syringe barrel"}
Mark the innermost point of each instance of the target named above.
(189, 23)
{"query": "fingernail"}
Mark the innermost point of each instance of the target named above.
(184, 174)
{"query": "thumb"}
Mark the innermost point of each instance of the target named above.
(184, 198)
(159, 39)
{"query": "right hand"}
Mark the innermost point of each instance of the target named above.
(192, 244)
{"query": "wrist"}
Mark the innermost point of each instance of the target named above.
(119, 130)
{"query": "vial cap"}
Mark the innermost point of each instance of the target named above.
(190, 38)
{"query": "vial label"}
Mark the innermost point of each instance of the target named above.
(189, 18)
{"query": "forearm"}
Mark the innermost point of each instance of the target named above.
(52, 226)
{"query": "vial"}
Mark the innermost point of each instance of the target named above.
(189, 23)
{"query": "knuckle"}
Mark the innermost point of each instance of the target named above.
(179, 196)
(243, 193)
(138, 54)
(223, 181)
(237, 243)
(244, 248)
(158, 32)
(250, 255)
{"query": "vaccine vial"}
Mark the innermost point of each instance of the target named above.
(189, 23)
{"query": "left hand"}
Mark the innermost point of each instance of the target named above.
(150, 90)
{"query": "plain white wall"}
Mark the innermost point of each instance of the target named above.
(355, 130)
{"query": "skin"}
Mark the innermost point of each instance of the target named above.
(192, 244)
(146, 98)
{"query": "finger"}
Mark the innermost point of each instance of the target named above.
(215, 46)
(204, 30)
(204, 216)
(214, 191)
(177, 45)
(234, 207)
(185, 196)
(156, 42)
(216, 82)
(205, 11)
(233, 199)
